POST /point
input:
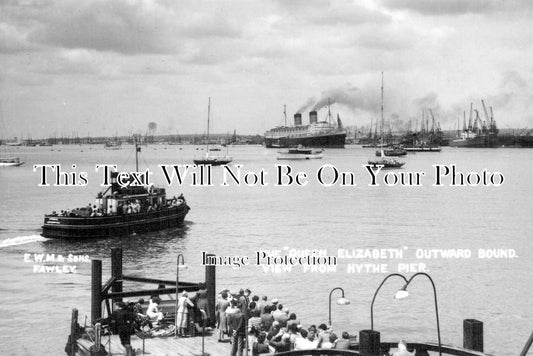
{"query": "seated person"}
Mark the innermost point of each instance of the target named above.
(344, 343)
(402, 350)
(153, 310)
(259, 346)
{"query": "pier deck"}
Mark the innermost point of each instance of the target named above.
(163, 346)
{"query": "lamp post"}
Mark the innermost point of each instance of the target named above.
(403, 293)
(180, 263)
(376, 293)
(340, 301)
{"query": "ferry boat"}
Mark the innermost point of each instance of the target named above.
(316, 134)
(299, 153)
(118, 211)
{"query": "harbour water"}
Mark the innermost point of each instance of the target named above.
(242, 220)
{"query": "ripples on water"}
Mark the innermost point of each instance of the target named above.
(241, 220)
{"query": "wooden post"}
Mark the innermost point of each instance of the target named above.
(116, 271)
(473, 335)
(96, 290)
(73, 330)
(210, 283)
(369, 343)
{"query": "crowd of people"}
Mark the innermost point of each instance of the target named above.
(132, 206)
(264, 326)
(270, 326)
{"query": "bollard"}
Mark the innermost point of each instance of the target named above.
(369, 343)
(473, 335)
(98, 336)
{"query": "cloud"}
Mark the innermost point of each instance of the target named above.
(332, 13)
(441, 7)
(513, 78)
(128, 27)
(12, 40)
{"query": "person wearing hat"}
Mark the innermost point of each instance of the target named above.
(182, 318)
(220, 310)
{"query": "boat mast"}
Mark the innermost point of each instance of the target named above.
(208, 113)
(137, 150)
(329, 111)
(382, 120)
(285, 114)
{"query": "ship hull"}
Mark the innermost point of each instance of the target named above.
(322, 141)
(479, 141)
(61, 227)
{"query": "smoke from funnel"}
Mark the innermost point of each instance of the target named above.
(348, 95)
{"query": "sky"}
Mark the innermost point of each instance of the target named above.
(98, 67)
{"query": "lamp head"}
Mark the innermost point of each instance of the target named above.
(402, 293)
(343, 301)
(182, 266)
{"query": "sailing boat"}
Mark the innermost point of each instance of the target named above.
(213, 160)
(383, 160)
(7, 161)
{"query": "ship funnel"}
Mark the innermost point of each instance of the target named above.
(313, 117)
(297, 119)
(115, 187)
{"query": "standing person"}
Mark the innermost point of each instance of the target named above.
(202, 302)
(244, 301)
(266, 318)
(182, 317)
(237, 327)
(124, 321)
(262, 304)
(222, 326)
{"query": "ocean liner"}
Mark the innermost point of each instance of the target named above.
(316, 134)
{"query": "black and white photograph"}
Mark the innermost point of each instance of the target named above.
(278, 177)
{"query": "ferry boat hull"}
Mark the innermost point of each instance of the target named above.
(64, 227)
(213, 160)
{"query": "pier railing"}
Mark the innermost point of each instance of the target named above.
(421, 350)
(113, 291)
